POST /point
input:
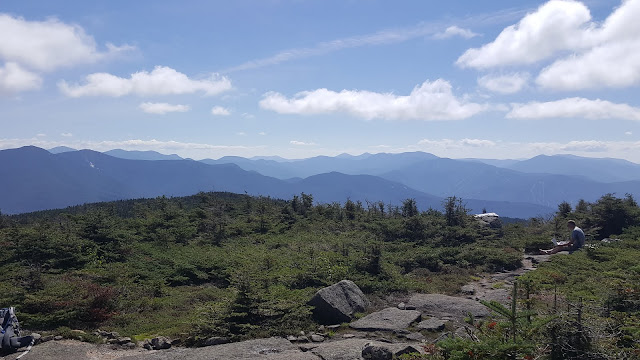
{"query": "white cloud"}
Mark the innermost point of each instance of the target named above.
(574, 108)
(301, 143)
(628, 133)
(162, 108)
(504, 84)
(220, 111)
(262, 133)
(67, 134)
(587, 54)
(241, 133)
(457, 144)
(615, 65)
(452, 31)
(629, 150)
(14, 79)
(586, 146)
(161, 81)
(49, 44)
(41, 135)
(612, 60)
(429, 101)
(556, 26)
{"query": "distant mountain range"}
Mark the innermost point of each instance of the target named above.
(35, 179)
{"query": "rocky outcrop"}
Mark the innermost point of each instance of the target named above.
(338, 303)
(373, 352)
(389, 319)
(157, 343)
(352, 349)
(443, 306)
(431, 324)
(489, 219)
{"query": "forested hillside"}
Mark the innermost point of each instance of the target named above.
(244, 267)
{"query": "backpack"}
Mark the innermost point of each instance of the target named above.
(10, 333)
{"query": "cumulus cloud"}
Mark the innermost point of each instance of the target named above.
(161, 81)
(162, 108)
(574, 107)
(301, 143)
(220, 111)
(556, 26)
(429, 101)
(612, 60)
(504, 84)
(615, 65)
(14, 79)
(453, 31)
(50, 44)
(586, 54)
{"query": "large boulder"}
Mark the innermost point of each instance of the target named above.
(443, 306)
(389, 319)
(338, 303)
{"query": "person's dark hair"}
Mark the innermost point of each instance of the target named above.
(571, 222)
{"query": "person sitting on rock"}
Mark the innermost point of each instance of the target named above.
(576, 242)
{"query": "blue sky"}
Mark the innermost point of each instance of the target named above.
(299, 78)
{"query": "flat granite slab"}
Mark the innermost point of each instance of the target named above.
(389, 319)
(443, 306)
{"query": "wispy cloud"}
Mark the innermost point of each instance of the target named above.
(383, 37)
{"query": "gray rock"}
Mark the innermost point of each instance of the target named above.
(441, 306)
(46, 338)
(333, 327)
(399, 350)
(463, 332)
(130, 345)
(37, 338)
(416, 336)
(372, 352)
(259, 349)
(317, 338)
(216, 340)
(348, 336)
(431, 324)
(291, 338)
(160, 343)
(338, 303)
(57, 338)
(402, 306)
(500, 295)
(302, 339)
(124, 340)
(351, 349)
(468, 289)
(307, 347)
(389, 319)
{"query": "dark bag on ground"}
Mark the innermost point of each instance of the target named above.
(11, 339)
